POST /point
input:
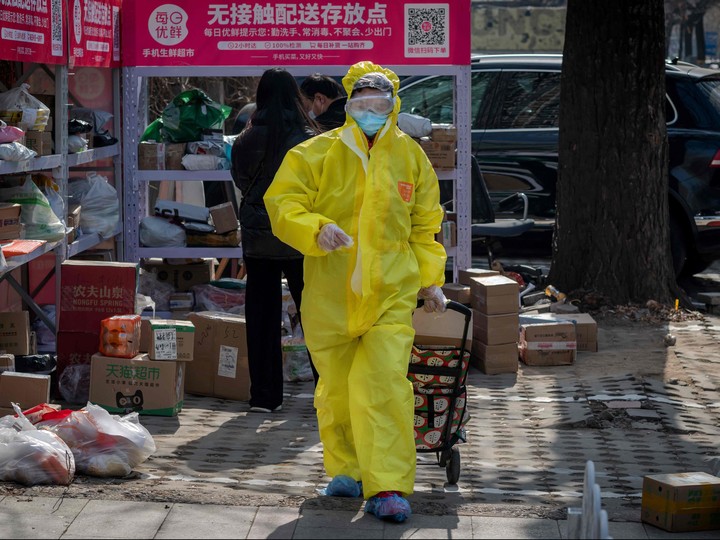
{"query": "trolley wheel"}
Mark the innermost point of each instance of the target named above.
(453, 466)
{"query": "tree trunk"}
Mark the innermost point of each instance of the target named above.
(612, 233)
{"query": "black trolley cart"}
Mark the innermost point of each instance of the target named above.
(438, 373)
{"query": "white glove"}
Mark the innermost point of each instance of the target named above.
(434, 298)
(332, 237)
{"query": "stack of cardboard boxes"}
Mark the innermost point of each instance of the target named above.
(152, 382)
(495, 306)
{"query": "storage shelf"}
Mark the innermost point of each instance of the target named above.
(94, 154)
(190, 252)
(87, 241)
(19, 260)
(184, 176)
(35, 164)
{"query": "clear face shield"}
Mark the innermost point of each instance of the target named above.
(378, 103)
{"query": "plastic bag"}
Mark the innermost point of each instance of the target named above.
(10, 134)
(76, 144)
(74, 383)
(36, 214)
(104, 445)
(296, 362)
(159, 232)
(159, 291)
(95, 117)
(185, 118)
(35, 113)
(204, 162)
(32, 456)
(15, 151)
(100, 207)
(211, 298)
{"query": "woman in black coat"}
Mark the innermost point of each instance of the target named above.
(279, 123)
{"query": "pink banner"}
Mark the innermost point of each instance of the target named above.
(267, 32)
(33, 31)
(94, 32)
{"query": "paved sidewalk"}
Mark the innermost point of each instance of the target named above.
(47, 517)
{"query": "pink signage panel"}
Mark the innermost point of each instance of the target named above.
(267, 32)
(33, 31)
(94, 33)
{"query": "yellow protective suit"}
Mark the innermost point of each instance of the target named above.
(357, 303)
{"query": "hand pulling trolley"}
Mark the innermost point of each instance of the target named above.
(438, 373)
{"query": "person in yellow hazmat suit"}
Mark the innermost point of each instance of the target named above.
(362, 203)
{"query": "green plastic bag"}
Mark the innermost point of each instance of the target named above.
(189, 113)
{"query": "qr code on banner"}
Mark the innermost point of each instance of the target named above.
(427, 30)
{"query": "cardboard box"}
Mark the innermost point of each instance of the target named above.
(181, 301)
(494, 359)
(182, 276)
(160, 156)
(494, 295)
(25, 389)
(465, 275)
(94, 290)
(458, 293)
(224, 218)
(12, 232)
(169, 339)
(444, 133)
(547, 344)
(444, 328)
(448, 234)
(40, 141)
(15, 332)
(681, 502)
(586, 331)
(220, 359)
(7, 362)
(9, 214)
(124, 385)
(495, 329)
(440, 154)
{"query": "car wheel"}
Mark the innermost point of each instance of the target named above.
(677, 246)
(694, 265)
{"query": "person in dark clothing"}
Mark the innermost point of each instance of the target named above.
(324, 100)
(278, 123)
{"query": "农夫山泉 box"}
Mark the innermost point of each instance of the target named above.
(169, 339)
(547, 344)
(494, 295)
(74, 351)
(91, 291)
(681, 502)
(148, 387)
(220, 358)
(15, 332)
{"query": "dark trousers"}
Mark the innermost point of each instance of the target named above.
(263, 316)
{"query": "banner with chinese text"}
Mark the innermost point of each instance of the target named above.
(271, 32)
(33, 31)
(94, 33)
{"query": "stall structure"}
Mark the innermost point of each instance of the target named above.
(228, 39)
(40, 43)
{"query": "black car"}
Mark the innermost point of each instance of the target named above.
(515, 104)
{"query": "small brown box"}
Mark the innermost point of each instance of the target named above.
(444, 133)
(465, 275)
(160, 156)
(495, 329)
(25, 389)
(440, 154)
(547, 344)
(40, 141)
(458, 293)
(495, 295)
(224, 218)
(494, 359)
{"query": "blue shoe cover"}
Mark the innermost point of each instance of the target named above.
(343, 486)
(392, 507)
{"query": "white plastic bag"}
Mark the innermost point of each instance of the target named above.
(35, 113)
(32, 456)
(159, 232)
(76, 144)
(100, 207)
(104, 445)
(15, 151)
(36, 214)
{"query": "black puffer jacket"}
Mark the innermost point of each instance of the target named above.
(253, 173)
